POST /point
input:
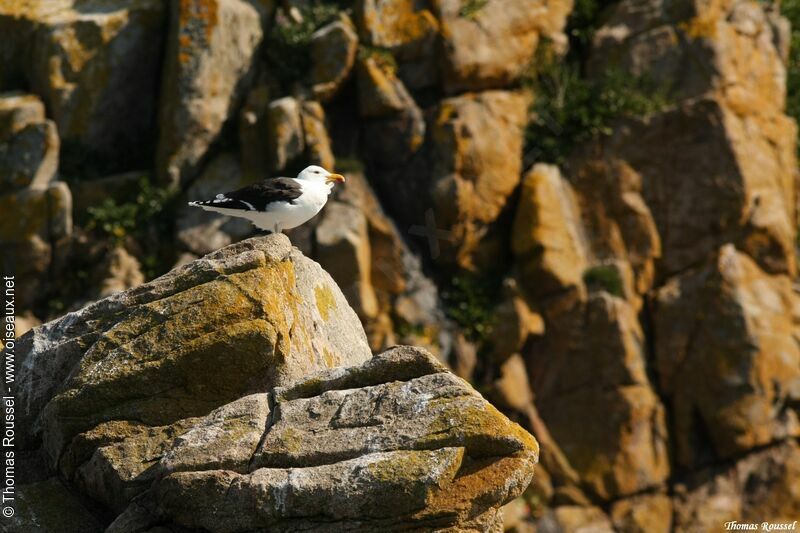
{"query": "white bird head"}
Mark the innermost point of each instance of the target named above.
(319, 174)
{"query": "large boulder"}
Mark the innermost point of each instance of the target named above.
(210, 51)
(488, 44)
(619, 227)
(476, 157)
(153, 355)
(333, 54)
(643, 513)
(566, 518)
(594, 231)
(48, 505)
(37, 220)
(408, 30)
(593, 392)
(18, 110)
(584, 252)
(727, 357)
(34, 231)
(450, 183)
(285, 141)
(725, 167)
(96, 67)
(685, 317)
(717, 177)
(394, 126)
(283, 133)
(763, 483)
(118, 272)
(207, 399)
(28, 143)
(674, 46)
(548, 239)
(318, 143)
(343, 249)
(380, 91)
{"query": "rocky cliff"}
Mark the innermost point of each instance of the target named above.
(587, 208)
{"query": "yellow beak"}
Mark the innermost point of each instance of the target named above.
(335, 178)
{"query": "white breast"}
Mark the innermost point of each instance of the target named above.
(303, 209)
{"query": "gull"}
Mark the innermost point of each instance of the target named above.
(277, 204)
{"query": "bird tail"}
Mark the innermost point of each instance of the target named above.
(209, 206)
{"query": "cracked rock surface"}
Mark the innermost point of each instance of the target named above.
(237, 393)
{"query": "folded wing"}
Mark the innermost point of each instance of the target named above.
(256, 197)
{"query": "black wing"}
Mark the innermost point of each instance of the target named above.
(258, 196)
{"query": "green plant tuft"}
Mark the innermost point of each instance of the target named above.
(469, 302)
(115, 221)
(569, 108)
(287, 45)
(605, 278)
(147, 219)
(584, 20)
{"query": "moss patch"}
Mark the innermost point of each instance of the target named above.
(478, 426)
(292, 440)
(606, 278)
(406, 464)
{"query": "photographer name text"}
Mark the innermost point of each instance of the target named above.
(763, 526)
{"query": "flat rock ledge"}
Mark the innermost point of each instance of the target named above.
(236, 394)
